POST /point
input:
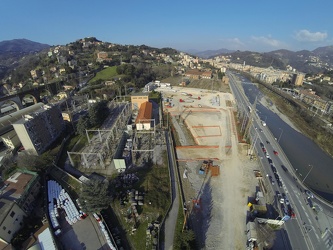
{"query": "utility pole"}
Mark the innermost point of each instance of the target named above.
(252, 114)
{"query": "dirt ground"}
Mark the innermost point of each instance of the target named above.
(218, 205)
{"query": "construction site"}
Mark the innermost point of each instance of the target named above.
(215, 170)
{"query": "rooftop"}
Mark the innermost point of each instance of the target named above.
(5, 206)
(145, 112)
(140, 94)
(15, 185)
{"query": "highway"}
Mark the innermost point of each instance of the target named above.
(303, 231)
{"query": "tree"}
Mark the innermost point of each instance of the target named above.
(94, 195)
(186, 240)
(34, 162)
(82, 124)
(97, 113)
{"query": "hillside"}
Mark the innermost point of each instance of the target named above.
(318, 60)
(11, 51)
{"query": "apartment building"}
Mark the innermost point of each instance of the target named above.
(38, 130)
(18, 194)
(297, 79)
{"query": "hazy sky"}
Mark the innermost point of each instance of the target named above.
(257, 25)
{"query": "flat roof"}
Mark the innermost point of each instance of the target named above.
(140, 94)
(15, 185)
(7, 120)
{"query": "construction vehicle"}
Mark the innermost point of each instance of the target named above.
(207, 166)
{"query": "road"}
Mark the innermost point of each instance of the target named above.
(303, 232)
(171, 219)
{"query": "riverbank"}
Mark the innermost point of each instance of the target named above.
(271, 106)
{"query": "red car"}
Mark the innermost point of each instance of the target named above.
(275, 152)
(291, 213)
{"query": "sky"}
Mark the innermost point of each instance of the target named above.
(257, 25)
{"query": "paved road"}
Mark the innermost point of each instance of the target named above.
(311, 229)
(170, 221)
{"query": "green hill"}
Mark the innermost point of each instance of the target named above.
(105, 74)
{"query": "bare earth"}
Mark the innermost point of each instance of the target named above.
(218, 205)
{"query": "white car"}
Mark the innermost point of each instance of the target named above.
(309, 194)
(267, 155)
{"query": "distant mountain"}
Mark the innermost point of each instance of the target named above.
(207, 53)
(21, 46)
(11, 51)
(318, 60)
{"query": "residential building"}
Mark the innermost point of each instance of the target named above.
(35, 73)
(103, 56)
(18, 194)
(297, 79)
(11, 140)
(137, 99)
(11, 220)
(38, 130)
(143, 120)
(193, 74)
(206, 74)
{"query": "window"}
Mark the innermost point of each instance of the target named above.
(12, 214)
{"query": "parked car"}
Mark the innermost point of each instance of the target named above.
(292, 213)
(286, 201)
(279, 183)
(273, 168)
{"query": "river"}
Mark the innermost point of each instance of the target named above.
(313, 165)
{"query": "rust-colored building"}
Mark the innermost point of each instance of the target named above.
(143, 120)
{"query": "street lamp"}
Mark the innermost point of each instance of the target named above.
(280, 134)
(307, 173)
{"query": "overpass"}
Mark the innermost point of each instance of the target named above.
(34, 92)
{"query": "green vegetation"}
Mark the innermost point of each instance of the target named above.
(96, 115)
(154, 182)
(94, 196)
(184, 239)
(105, 74)
(30, 225)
